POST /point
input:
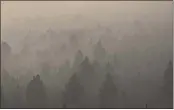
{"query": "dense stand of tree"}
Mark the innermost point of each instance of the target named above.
(108, 93)
(89, 84)
(73, 92)
(35, 94)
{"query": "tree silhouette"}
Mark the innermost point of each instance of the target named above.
(78, 59)
(109, 68)
(6, 51)
(99, 52)
(35, 94)
(108, 93)
(73, 92)
(86, 72)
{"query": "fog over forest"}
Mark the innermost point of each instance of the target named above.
(86, 54)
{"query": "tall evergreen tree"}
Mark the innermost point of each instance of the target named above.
(88, 76)
(78, 59)
(73, 92)
(108, 93)
(109, 68)
(35, 94)
(86, 72)
(6, 51)
(99, 52)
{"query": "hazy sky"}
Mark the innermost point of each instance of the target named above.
(14, 14)
(22, 9)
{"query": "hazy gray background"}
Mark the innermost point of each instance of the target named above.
(139, 34)
(19, 17)
(123, 26)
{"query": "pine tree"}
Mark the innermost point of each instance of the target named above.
(6, 51)
(78, 59)
(86, 72)
(46, 75)
(73, 92)
(86, 66)
(35, 94)
(109, 68)
(108, 93)
(99, 52)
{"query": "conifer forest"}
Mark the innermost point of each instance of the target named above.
(86, 54)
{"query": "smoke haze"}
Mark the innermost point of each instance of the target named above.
(53, 39)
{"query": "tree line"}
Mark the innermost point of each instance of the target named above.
(87, 81)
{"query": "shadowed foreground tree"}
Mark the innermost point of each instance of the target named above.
(108, 93)
(86, 73)
(35, 94)
(73, 92)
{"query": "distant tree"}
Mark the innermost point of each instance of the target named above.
(64, 72)
(99, 52)
(46, 75)
(5, 51)
(108, 93)
(73, 92)
(99, 71)
(109, 68)
(35, 94)
(90, 78)
(85, 66)
(86, 72)
(78, 59)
